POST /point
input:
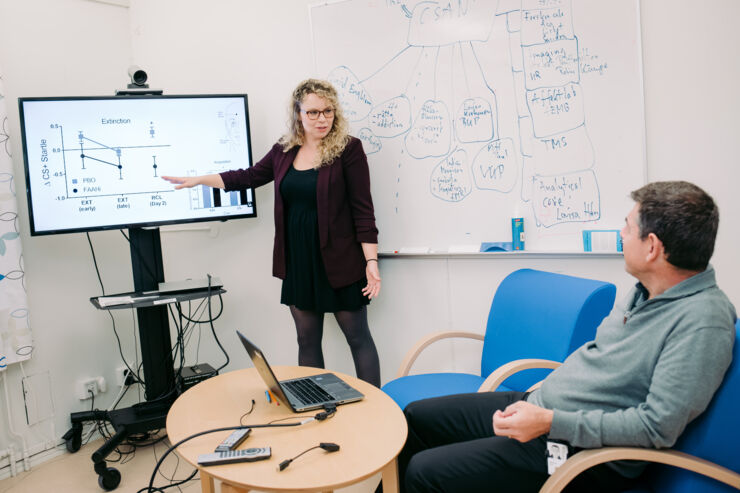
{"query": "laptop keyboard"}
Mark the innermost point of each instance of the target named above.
(307, 391)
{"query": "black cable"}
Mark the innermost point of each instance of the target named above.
(173, 482)
(181, 341)
(152, 489)
(192, 324)
(220, 312)
(284, 419)
(141, 258)
(140, 442)
(172, 485)
(139, 365)
(161, 397)
(198, 326)
(110, 314)
(247, 413)
(213, 329)
(179, 347)
(193, 317)
(181, 329)
(173, 352)
(95, 261)
(134, 374)
(137, 441)
(197, 346)
(329, 411)
(102, 425)
(154, 279)
(328, 446)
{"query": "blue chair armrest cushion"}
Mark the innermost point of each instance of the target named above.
(416, 387)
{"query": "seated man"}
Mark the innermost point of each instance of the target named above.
(654, 365)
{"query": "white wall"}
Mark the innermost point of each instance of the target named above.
(61, 48)
(691, 59)
(691, 66)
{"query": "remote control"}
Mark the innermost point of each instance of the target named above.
(231, 456)
(232, 441)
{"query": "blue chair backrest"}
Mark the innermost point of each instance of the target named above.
(537, 314)
(713, 436)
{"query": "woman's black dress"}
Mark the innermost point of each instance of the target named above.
(306, 285)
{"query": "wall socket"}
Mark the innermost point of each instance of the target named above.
(87, 386)
(124, 376)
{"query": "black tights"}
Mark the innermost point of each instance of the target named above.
(310, 328)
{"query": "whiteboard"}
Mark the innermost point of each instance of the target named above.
(473, 112)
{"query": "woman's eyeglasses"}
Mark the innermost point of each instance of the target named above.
(314, 114)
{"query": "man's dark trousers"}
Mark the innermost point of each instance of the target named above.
(451, 448)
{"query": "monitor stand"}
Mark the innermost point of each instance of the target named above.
(157, 362)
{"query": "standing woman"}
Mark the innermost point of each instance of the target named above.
(326, 242)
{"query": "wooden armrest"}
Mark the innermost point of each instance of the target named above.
(414, 352)
(589, 458)
(503, 372)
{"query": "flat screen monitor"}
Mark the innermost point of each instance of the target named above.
(96, 163)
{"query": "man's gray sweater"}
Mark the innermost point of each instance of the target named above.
(653, 367)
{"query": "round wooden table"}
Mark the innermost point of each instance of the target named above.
(370, 433)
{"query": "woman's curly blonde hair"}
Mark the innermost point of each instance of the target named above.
(336, 140)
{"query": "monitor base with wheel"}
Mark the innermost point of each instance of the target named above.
(140, 418)
(156, 352)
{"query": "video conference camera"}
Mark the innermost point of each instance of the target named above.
(138, 77)
(138, 85)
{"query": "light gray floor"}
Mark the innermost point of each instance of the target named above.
(74, 473)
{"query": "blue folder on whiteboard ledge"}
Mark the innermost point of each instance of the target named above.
(496, 246)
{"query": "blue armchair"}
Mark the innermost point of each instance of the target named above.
(706, 458)
(537, 315)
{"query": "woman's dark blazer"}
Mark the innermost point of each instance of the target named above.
(345, 208)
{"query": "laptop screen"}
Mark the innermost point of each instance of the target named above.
(263, 368)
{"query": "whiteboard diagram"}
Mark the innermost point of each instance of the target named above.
(475, 111)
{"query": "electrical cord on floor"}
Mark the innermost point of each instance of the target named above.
(101, 427)
(174, 483)
(171, 485)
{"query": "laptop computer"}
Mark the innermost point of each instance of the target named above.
(302, 394)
